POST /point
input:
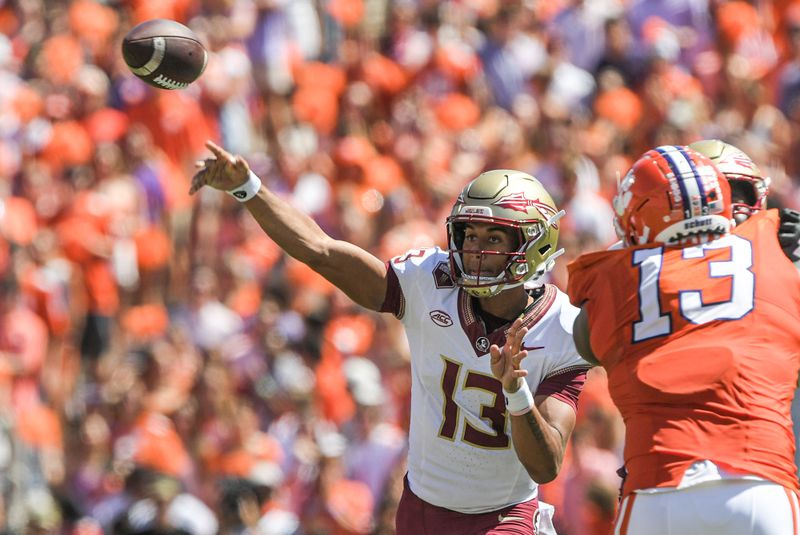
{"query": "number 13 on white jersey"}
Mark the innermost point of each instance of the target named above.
(654, 322)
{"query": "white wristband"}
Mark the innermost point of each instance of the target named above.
(248, 190)
(519, 402)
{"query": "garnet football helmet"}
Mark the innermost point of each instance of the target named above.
(672, 195)
(510, 199)
(748, 187)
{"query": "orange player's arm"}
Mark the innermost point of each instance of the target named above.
(580, 334)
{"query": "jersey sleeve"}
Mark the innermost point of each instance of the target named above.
(410, 277)
(565, 386)
(563, 372)
(394, 301)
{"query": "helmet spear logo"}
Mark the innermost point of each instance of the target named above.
(519, 203)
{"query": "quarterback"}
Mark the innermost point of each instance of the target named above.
(495, 373)
(698, 326)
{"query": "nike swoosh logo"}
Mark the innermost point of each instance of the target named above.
(502, 518)
(532, 348)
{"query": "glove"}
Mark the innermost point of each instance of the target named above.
(789, 233)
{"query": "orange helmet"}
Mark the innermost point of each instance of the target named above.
(672, 195)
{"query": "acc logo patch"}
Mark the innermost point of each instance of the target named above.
(441, 318)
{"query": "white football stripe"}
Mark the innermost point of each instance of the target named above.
(159, 48)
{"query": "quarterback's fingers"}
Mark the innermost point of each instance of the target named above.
(511, 335)
(495, 353)
(240, 162)
(519, 337)
(517, 359)
(208, 162)
(213, 147)
(220, 153)
(198, 181)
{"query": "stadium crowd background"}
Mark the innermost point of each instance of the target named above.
(165, 369)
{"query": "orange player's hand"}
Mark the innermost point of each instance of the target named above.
(224, 171)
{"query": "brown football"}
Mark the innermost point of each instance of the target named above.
(164, 53)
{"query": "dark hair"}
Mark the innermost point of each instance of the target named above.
(8, 286)
(233, 489)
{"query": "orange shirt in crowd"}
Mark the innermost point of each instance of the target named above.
(23, 347)
(702, 363)
(86, 241)
(158, 445)
(177, 123)
(47, 298)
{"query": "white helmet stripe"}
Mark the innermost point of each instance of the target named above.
(698, 178)
(686, 178)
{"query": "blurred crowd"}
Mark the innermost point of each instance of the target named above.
(164, 368)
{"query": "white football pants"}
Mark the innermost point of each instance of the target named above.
(724, 507)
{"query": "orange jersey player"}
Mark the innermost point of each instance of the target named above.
(698, 327)
(749, 190)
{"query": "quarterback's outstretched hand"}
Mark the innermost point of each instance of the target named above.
(505, 361)
(224, 171)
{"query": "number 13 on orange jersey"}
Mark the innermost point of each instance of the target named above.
(697, 299)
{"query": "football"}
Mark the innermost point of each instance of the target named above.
(164, 53)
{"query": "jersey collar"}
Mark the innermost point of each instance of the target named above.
(473, 327)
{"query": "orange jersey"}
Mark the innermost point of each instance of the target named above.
(702, 349)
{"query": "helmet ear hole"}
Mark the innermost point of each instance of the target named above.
(543, 250)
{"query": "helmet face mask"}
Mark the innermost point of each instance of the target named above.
(749, 188)
(748, 195)
(511, 200)
(672, 195)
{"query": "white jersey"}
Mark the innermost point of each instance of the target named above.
(461, 455)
